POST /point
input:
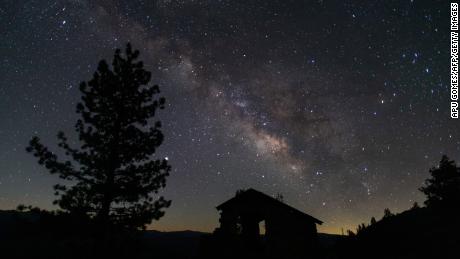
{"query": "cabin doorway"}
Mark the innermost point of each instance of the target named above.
(262, 228)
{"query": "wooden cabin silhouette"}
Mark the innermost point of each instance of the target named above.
(289, 233)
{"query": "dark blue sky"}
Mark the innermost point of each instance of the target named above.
(341, 106)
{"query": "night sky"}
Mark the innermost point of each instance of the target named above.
(341, 106)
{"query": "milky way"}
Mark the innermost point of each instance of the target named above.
(341, 106)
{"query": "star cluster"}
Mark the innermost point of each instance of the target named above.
(340, 106)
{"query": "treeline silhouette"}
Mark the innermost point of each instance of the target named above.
(431, 231)
(112, 183)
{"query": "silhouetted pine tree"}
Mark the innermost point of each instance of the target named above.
(373, 221)
(443, 188)
(360, 228)
(350, 233)
(387, 213)
(113, 174)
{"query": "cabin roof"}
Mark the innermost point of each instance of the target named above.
(259, 198)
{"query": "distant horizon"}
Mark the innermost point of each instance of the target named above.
(341, 107)
(166, 224)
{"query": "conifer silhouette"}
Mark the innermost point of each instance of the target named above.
(387, 213)
(113, 173)
(373, 221)
(443, 188)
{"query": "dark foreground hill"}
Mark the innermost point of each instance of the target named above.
(186, 244)
(177, 244)
(33, 233)
(415, 233)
